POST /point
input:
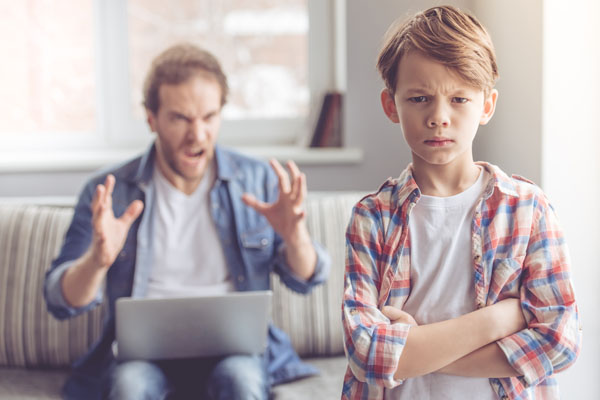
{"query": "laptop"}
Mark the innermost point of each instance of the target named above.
(191, 327)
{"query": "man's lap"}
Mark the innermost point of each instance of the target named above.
(233, 377)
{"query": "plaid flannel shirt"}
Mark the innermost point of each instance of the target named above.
(518, 250)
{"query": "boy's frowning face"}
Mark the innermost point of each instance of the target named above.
(438, 111)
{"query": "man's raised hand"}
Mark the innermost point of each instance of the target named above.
(286, 214)
(109, 232)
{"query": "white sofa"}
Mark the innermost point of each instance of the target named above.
(36, 349)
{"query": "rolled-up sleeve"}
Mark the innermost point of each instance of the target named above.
(76, 242)
(373, 345)
(296, 283)
(551, 342)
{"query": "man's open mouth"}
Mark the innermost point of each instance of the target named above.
(194, 153)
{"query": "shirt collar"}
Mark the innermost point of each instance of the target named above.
(143, 175)
(408, 189)
(226, 167)
(500, 180)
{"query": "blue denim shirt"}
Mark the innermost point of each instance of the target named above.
(251, 246)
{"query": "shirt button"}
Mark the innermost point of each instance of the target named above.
(122, 254)
(264, 242)
(241, 278)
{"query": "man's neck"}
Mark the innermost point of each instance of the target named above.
(445, 180)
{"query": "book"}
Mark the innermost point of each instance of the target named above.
(328, 129)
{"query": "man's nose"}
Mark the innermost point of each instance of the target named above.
(198, 130)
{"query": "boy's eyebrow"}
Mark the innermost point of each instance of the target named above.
(425, 89)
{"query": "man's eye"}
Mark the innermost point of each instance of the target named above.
(460, 100)
(418, 99)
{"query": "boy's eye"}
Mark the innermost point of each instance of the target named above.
(460, 100)
(418, 99)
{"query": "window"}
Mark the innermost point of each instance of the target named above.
(48, 73)
(77, 67)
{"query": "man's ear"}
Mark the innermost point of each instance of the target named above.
(389, 105)
(489, 107)
(151, 119)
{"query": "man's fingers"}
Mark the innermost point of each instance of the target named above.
(284, 180)
(98, 195)
(251, 201)
(294, 177)
(301, 190)
(133, 211)
(109, 182)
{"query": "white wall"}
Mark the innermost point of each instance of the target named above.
(571, 164)
(544, 129)
(512, 139)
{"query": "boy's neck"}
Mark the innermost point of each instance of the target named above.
(444, 180)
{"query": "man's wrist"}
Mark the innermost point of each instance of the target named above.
(298, 238)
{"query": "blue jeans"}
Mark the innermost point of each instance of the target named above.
(233, 378)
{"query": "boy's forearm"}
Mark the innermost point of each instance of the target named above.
(431, 347)
(486, 362)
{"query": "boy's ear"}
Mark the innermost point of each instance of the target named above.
(389, 106)
(489, 107)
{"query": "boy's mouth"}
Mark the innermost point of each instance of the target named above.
(438, 142)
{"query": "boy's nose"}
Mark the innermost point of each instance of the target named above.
(438, 117)
(437, 122)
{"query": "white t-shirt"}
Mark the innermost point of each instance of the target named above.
(442, 284)
(187, 253)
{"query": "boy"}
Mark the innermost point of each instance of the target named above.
(457, 276)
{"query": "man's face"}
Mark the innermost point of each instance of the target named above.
(438, 111)
(186, 124)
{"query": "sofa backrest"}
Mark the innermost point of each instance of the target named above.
(31, 236)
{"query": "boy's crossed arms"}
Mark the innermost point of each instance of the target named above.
(460, 346)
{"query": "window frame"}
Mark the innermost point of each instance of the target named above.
(117, 128)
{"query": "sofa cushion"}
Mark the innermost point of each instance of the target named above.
(314, 322)
(31, 235)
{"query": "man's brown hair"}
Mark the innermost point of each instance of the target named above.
(176, 65)
(447, 35)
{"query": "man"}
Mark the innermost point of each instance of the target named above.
(193, 218)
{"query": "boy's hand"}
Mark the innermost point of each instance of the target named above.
(396, 316)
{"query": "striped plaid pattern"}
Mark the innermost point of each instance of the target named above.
(31, 235)
(518, 251)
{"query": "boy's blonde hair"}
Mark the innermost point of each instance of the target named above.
(447, 35)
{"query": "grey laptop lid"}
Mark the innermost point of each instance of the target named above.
(154, 329)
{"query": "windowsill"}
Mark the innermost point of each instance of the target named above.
(93, 159)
